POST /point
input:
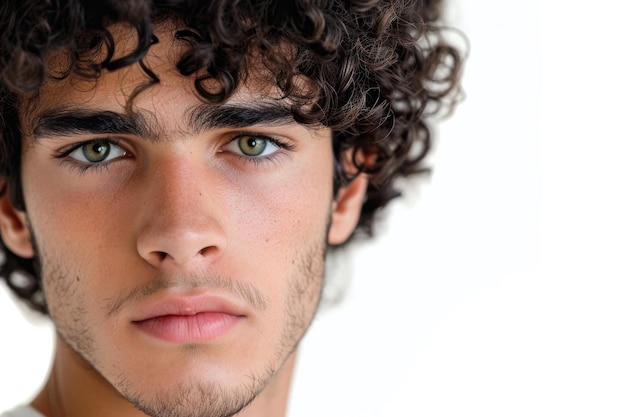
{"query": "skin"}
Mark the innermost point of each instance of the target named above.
(174, 212)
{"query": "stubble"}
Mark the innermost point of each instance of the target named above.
(194, 397)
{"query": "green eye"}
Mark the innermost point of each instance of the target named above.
(96, 151)
(252, 145)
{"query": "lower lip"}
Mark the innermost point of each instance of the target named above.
(192, 328)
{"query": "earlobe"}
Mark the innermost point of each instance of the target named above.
(14, 228)
(347, 210)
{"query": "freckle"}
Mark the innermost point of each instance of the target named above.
(77, 279)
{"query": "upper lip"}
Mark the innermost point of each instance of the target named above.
(186, 305)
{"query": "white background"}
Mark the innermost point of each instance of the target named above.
(497, 287)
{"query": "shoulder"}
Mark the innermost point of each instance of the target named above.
(24, 411)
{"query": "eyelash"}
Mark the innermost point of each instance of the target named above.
(259, 160)
(83, 167)
(96, 166)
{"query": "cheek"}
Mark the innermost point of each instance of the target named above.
(284, 223)
(61, 206)
(77, 229)
(289, 208)
(76, 238)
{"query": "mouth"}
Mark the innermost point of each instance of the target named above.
(199, 327)
(187, 319)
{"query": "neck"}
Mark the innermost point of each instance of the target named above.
(75, 389)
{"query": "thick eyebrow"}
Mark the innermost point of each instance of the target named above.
(206, 116)
(66, 121)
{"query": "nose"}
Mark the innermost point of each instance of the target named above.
(179, 221)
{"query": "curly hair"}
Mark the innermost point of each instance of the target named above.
(380, 70)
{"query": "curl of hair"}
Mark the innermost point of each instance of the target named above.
(377, 71)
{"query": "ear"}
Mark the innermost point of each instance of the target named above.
(14, 228)
(347, 210)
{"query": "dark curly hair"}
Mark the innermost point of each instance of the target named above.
(379, 70)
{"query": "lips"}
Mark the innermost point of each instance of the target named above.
(188, 318)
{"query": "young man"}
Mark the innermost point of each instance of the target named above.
(173, 173)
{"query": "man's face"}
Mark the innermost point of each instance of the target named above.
(181, 248)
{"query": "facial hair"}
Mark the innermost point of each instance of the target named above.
(193, 398)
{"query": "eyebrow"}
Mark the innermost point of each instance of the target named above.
(205, 117)
(67, 121)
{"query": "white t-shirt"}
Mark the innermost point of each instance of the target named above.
(24, 411)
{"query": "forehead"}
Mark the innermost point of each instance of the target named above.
(148, 84)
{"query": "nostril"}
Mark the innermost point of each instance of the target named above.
(161, 255)
(203, 251)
